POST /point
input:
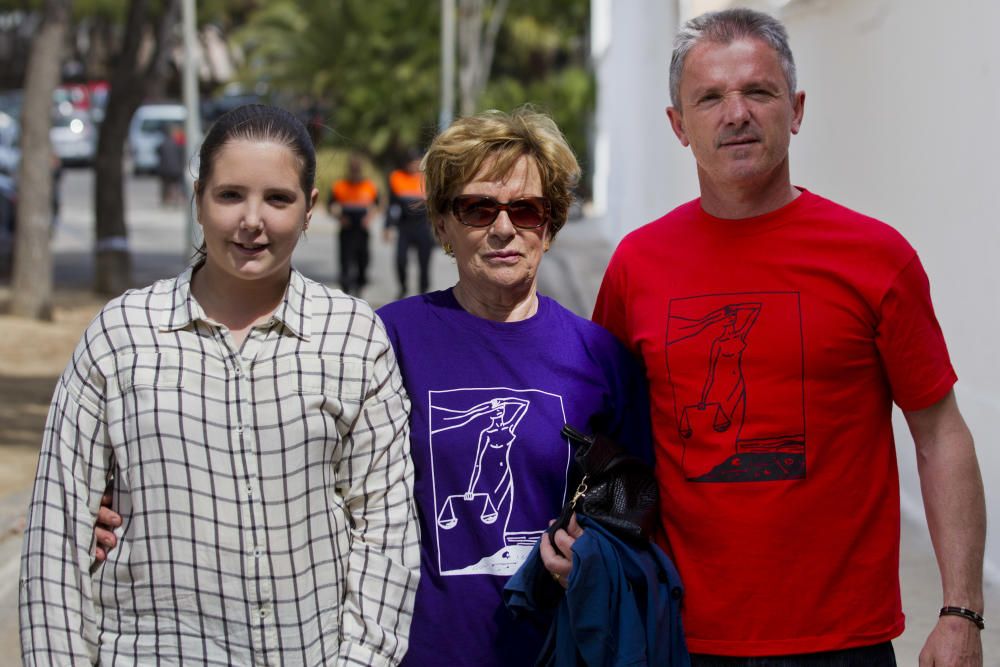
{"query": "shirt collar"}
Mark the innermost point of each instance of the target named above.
(294, 311)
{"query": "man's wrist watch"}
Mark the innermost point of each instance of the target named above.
(967, 614)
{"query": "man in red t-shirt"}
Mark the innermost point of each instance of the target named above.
(777, 329)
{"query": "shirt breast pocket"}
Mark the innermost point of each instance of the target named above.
(148, 405)
(326, 386)
(151, 370)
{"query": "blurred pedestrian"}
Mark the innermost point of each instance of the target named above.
(172, 155)
(407, 215)
(353, 203)
(254, 423)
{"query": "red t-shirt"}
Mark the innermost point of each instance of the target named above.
(775, 347)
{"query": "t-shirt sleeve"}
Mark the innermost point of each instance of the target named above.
(910, 342)
(609, 311)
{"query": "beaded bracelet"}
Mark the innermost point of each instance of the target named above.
(968, 614)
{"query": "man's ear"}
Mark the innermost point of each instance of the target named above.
(798, 109)
(677, 125)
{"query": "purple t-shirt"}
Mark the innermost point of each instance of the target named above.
(488, 402)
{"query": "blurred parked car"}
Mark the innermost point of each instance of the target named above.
(74, 138)
(10, 152)
(146, 131)
(70, 97)
(11, 102)
(8, 207)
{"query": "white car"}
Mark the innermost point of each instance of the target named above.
(74, 138)
(146, 131)
(10, 152)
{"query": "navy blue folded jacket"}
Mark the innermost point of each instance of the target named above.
(622, 605)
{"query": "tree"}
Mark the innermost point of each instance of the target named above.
(372, 65)
(545, 61)
(32, 278)
(477, 37)
(131, 78)
(376, 65)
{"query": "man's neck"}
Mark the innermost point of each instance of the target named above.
(746, 200)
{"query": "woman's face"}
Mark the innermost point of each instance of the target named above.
(252, 210)
(498, 262)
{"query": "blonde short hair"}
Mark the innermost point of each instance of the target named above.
(458, 153)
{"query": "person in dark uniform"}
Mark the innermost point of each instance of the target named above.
(170, 168)
(353, 203)
(408, 215)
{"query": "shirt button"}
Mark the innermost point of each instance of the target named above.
(263, 612)
(676, 592)
(258, 552)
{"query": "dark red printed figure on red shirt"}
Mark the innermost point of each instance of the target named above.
(715, 358)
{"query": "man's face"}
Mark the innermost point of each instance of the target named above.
(736, 112)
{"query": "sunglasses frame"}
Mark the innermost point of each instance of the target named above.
(500, 206)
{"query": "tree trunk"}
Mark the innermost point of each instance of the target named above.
(32, 271)
(130, 83)
(476, 45)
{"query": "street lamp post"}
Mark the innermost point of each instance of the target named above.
(447, 63)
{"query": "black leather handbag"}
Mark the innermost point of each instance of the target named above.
(617, 489)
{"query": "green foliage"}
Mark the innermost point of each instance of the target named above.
(107, 10)
(373, 67)
(541, 59)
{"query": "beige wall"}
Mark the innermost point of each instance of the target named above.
(902, 122)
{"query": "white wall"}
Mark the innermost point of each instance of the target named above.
(902, 122)
(640, 171)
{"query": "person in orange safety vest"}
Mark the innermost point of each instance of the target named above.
(353, 203)
(407, 214)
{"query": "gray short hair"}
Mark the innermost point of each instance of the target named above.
(725, 27)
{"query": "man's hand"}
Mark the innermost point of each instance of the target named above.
(107, 521)
(955, 642)
(560, 566)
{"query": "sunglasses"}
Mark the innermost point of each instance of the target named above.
(481, 211)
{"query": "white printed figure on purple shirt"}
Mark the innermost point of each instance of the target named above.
(488, 446)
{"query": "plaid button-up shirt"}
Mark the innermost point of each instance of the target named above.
(266, 490)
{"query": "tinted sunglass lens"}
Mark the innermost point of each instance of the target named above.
(475, 212)
(527, 213)
(483, 213)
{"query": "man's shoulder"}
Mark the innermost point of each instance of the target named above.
(671, 222)
(849, 221)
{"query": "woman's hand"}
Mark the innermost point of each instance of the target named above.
(558, 565)
(107, 521)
